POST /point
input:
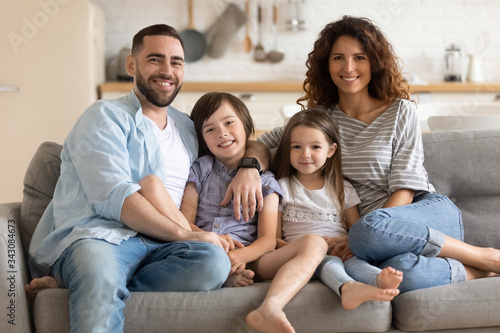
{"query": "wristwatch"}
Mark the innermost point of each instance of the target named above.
(249, 162)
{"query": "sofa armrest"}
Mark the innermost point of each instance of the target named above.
(13, 272)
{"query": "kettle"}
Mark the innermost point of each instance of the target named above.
(453, 64)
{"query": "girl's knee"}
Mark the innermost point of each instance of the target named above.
(150, 182)
(315, 243)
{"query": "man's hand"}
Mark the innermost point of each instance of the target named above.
(209, 237)
(246, 191)
(233, 244)
(339, 246)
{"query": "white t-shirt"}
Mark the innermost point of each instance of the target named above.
(175, 158)
(312, 211)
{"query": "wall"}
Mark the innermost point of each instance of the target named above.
(419, 30)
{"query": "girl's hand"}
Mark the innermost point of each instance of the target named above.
(338, 246)
(237, 262)
(233, 244)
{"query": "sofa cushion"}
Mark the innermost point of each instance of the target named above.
(464, 165)
(473, 303)
(39, 183)
(315, 309)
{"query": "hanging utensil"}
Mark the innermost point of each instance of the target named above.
(247, 44)
(259, 52)
(275, 55)
(194, 41)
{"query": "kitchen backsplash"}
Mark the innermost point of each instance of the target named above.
(419, 30)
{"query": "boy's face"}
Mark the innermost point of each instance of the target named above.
(224, 135)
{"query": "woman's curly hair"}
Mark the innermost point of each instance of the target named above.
(387, 82)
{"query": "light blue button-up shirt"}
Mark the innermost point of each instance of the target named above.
(108, 151)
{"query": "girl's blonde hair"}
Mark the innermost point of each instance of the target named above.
(206, 106)
(332, 170)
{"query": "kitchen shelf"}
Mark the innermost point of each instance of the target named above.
(295, 86)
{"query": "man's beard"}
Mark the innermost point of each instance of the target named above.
(151, 95)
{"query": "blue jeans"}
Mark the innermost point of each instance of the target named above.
(409, 238)
(100, 275)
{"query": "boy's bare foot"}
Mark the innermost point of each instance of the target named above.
(243, 279)
(389, 278)
(354, 293)
(39, 284)
(269, 319)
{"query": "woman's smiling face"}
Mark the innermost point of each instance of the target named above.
(349, 66)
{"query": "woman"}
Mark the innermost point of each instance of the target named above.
(354, 74)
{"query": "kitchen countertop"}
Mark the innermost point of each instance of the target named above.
(295, 86)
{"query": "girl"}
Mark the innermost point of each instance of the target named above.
(316, 199)
(223, 125)
(354, 74)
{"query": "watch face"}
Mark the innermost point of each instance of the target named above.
(247, 161)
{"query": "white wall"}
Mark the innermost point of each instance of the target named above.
(419, 30)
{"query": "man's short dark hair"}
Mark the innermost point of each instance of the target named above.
(153, 30)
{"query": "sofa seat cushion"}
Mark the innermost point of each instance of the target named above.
(467, 304)
(315, 309)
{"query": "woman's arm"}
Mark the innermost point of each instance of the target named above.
(400, 197)
(266, 239)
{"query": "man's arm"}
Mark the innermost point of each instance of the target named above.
(245, 188)
(140, 215)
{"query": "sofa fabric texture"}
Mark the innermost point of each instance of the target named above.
(463, 165)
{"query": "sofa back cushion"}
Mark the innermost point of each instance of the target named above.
(465, 166)
(39, 184)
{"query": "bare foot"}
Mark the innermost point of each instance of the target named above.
(389, 278)
(491, 260)
(354, 293)
(269, 319)
(243, 279)
(39, 284)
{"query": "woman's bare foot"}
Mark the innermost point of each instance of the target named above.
(39, 284)
(243, 279)
(491, 262)
(389, 278)
(354, 293)
(270, 319)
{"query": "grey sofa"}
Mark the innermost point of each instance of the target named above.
(465, 165)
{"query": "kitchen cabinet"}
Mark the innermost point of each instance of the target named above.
(267, 101)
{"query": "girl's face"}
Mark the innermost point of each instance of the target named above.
(309, 150)
(349, 66)
(224, 135)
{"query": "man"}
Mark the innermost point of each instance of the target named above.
(99, 237)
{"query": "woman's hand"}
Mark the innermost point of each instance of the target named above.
(339, 246)
(246, 191)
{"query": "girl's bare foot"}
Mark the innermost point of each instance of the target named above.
(243, 279)
(354, 293)
(39, 284)
(389, 278)
(270, 319)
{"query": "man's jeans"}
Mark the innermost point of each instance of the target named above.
(409, 238)
(100, 275)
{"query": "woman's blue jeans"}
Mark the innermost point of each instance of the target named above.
(100, 275)
(409, 238)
